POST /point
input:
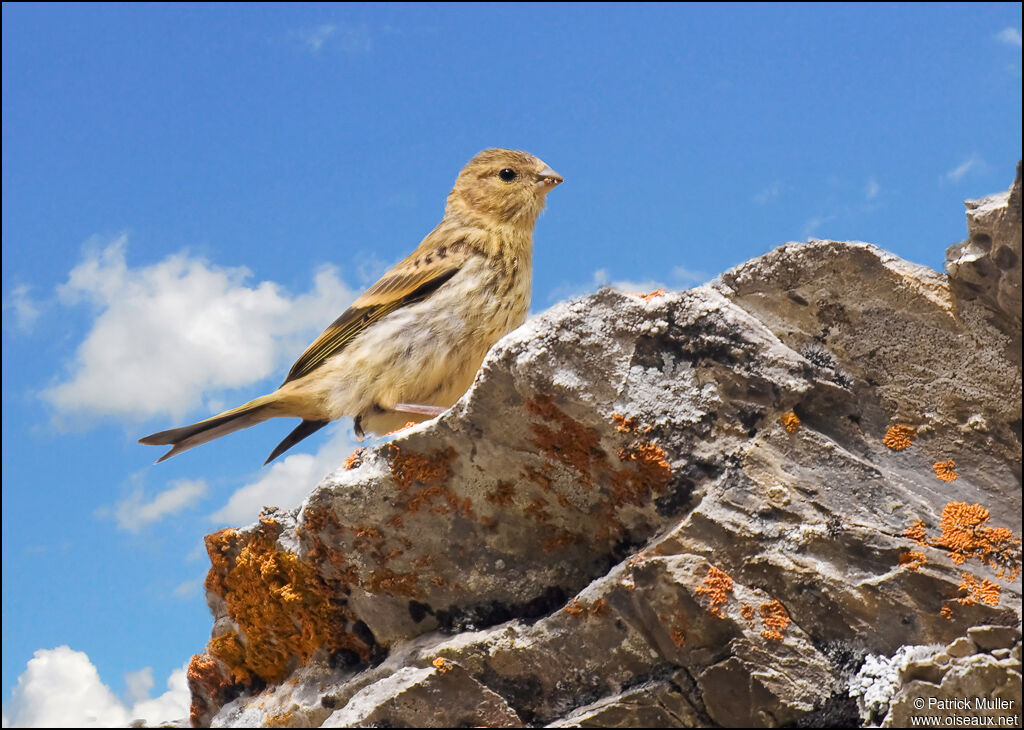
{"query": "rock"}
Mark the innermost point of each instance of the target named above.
(956, 682)
(437, 696)
(987, 264)
(704, 507)
(652, 704)
(972, 688)
(990, 638)
(879, 678)
(961, 647)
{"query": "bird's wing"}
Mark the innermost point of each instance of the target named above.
(413, 280)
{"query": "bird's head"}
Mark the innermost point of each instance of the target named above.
(503, 188)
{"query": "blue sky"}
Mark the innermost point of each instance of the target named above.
(191, 193)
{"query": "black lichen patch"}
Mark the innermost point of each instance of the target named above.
(822, 359)
(707, 340)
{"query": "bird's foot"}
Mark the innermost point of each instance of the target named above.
(420, 410)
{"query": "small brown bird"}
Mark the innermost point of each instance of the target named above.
(411, 345)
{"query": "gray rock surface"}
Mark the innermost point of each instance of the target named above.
(987, 264)
(709, 507)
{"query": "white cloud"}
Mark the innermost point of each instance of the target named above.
(188, 588)
(812, 225)
(628, 286)
(349, 38)
(139, 684)
(689, 277)
(172, 705)
(25, 310)
(62, 688)
(315, 38)
(134, 512)
(355, 39)
(872, 189)
(769, 194)
(962, 169)
(1010, 36)
(168, 333)
(287, 481)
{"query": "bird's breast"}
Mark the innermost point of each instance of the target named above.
(428, 352)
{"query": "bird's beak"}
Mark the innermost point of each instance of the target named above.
(548, 178)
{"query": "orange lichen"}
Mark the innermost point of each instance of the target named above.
(565, 440)
(898, 437)
(354, 459)
(439, 499)
(747, 612)
(623, 424)
(677, 632)
(642, 466)
(207, 684)
(502, 495)
(368, 533)
(396, 521)
(965, 534)
(284, 718)
(543, 479)
(774, 620)
(560, 539)
(442, 665)
(229, 650)
(628, 425)
(649, 295)
(397, 584)
(918, 532)
(424, 561)
(944, 470)
(790, 421)
(574, 607)
(912, 560)
(717, 586)
(409, 468)
(984, 591)
(281, 609)
(536, 510)
(408, 424)
(946, 612)
(652, 467)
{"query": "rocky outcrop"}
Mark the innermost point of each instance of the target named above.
(737, 505)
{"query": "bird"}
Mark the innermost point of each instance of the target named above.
(411, 345)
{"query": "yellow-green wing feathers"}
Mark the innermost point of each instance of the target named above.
(392, 292)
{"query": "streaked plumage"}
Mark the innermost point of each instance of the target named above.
(411, 345)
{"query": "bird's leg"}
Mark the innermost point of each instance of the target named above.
(431, 411)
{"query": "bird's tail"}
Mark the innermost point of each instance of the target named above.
(188, 437)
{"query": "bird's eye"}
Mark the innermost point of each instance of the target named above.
(508, 174)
